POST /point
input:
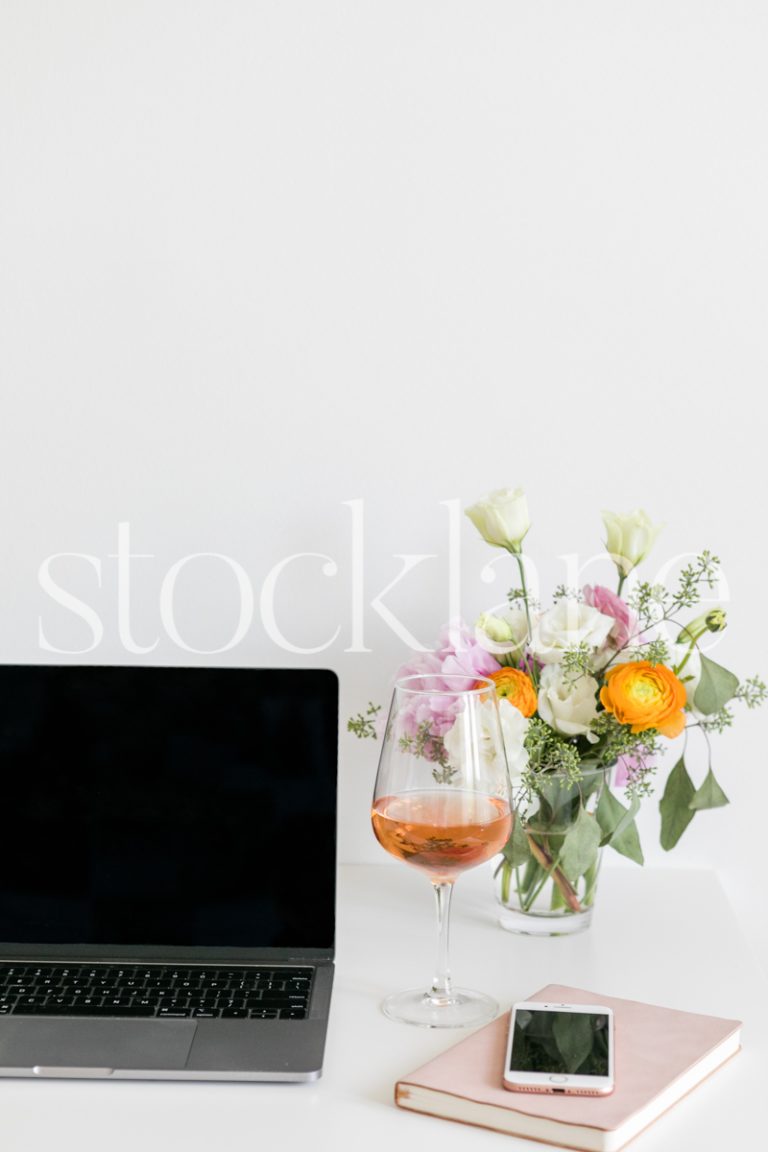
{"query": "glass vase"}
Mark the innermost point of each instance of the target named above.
(546, 881)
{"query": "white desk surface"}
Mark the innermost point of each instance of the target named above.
(668, 937)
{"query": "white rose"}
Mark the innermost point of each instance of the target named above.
(502, 518)
(458, 740)
(630, 538)
(504, 636)
(568, 706)
(567, 625)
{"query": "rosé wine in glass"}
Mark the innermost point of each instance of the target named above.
(442, 804)
(442, 833)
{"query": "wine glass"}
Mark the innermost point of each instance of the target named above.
(441, 803)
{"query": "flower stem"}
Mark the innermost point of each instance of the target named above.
(558, 876)
(506, 876)
(693, 644)
(521, 568)
(524, 587)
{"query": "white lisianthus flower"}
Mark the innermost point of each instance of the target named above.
(502, 518)
(567, 625)
(503, 636)
(629, 538)
(514, 728)
(568, 706)
(458, 740)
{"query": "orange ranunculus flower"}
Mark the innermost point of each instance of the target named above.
(645, 696)
(517, 688)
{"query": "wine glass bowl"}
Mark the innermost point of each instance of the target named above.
(442, 804)
(442, 834)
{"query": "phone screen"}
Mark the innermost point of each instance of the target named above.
(570, 1043)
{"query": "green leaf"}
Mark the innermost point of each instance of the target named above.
(516, 849)
(618, 825)
(627, 842)
(573, 1035)
(716, 687)
(710, 795)
(612, 815)
(580, 846)
(675, 805)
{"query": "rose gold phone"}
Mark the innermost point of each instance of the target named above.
(560, 1048)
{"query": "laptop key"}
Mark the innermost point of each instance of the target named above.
(240, 1013)
(293, 1014)
(205, 1013)
(277, 1002)
(173, 1013)
(80, 1010)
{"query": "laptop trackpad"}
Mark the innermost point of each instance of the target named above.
(97, 1046)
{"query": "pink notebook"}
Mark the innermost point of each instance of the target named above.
(661, 1054)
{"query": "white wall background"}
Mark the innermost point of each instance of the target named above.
(260, 259)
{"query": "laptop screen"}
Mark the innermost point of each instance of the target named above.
(178, 807)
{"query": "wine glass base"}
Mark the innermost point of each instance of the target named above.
(462, 1009)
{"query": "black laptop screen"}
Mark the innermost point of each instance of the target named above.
(168, 806)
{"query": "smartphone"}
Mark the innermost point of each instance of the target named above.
(560, 1048)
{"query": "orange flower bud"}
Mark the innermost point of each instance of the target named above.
(644, 696)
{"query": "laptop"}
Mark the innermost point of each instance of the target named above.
(167, 871)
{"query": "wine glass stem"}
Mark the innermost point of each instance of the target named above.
(441, 991)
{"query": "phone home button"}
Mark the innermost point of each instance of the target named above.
(559, 1079)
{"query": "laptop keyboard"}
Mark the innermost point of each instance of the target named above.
(263, 993)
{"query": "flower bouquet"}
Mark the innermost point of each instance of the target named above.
(589, 690)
